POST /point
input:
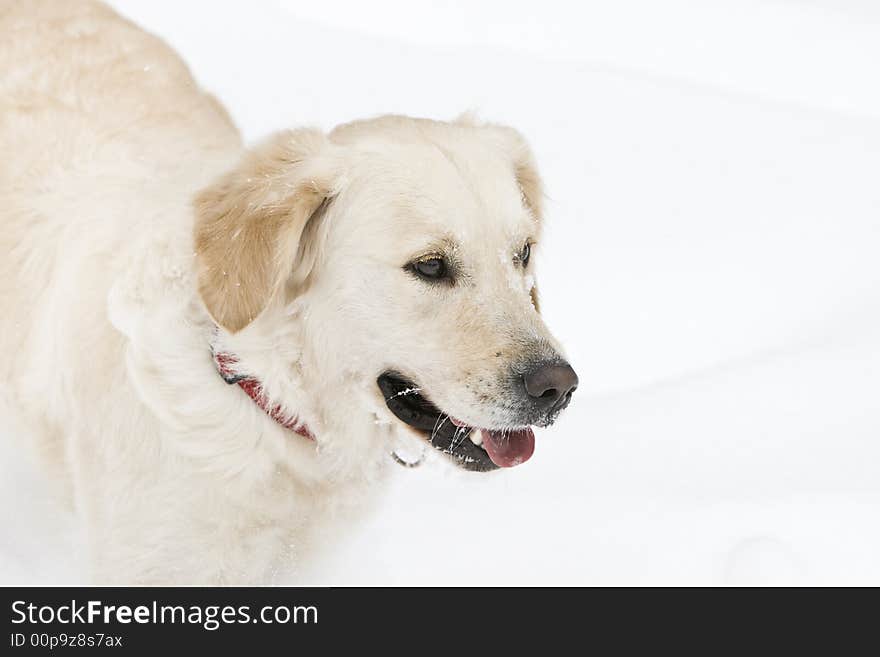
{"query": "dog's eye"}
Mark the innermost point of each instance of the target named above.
(523, 256)
(430, 268)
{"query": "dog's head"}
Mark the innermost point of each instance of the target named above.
(406, 250)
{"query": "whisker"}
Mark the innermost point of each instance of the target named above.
(438, 424)
(464, 435)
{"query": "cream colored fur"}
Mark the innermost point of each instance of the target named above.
(132, 224)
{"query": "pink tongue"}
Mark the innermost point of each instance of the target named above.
(509, 448)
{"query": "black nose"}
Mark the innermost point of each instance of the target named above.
(551, 384)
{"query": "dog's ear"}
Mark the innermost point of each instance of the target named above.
(248, 224)
(525, 170)
(515, 147)
(536, 301)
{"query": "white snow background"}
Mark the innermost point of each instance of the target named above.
(712, 263)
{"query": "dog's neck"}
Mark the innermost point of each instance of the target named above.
(275, 365)
(265, 361)
(226, 367)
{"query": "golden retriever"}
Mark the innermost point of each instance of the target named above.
(216, 350)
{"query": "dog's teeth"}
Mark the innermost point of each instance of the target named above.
(477, 437)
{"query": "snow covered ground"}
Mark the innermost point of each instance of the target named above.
(711, 264)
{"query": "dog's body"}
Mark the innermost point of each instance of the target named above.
(109, 140)
(115, 287)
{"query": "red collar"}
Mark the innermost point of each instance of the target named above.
(254, 389)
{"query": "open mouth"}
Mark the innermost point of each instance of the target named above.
(473, 448)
